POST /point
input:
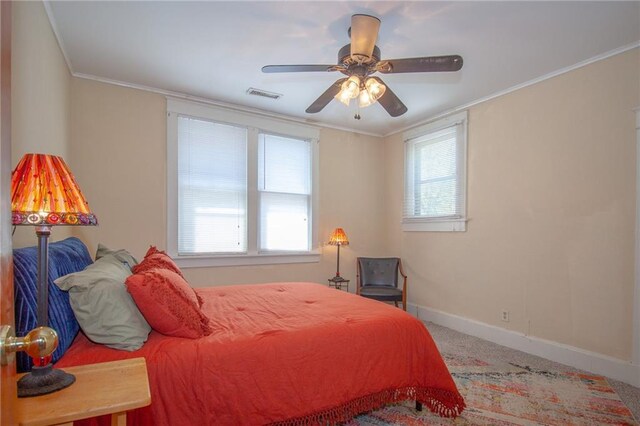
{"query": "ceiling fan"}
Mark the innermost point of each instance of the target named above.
(359, 60)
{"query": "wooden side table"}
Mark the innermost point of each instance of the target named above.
(105, 388)
(338, 283)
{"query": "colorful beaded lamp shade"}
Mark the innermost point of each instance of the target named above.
(44, 193)
(338, 238)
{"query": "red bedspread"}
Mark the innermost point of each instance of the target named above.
(291, 353)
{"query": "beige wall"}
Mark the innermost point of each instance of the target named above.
(40, 85)
(551, 207)
(119, 156)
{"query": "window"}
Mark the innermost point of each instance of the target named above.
(435, 176)
(241, 187)
(212, 187)
(284, 184)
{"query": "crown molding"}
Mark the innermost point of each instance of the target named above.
(234, 107)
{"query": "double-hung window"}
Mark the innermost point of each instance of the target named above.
(284, 187)
(435, 176)
(242, 188)
(212, 187)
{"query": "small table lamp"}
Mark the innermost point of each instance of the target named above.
(44, 193)
(338, 238)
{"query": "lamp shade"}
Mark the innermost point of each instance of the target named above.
(44, 192)
(338, 238)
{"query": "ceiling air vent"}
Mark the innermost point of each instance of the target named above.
(263, 93)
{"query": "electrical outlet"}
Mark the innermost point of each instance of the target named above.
(505, 316)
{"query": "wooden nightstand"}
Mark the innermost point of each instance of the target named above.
(106, 388)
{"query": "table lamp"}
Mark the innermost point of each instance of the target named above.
(44, 193)
(338, 238)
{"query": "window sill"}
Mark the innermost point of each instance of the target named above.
(456, 225)
(245, 259)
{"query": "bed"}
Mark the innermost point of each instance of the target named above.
(284, 353)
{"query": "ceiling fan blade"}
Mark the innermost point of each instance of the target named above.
(425, 64)
(297, 68)
(390, 101)
(364, 33)
(326, 97)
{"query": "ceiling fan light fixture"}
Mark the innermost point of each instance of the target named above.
(343, 98)
(349, 90)
(351, 87)
(365, 99)
(375, 88)
(371, 92)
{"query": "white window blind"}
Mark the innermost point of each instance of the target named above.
(284, 186)
(212, 187)
(434, 174)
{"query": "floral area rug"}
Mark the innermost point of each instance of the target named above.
(510, 394)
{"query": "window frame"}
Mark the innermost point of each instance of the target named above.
(457, 223)
(255, 124)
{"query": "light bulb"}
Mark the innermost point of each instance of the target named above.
(349, 90)
(352, 86)
(364, 100)
(343, 97)
(375, 88)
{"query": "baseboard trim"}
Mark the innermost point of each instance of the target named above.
(625, 371)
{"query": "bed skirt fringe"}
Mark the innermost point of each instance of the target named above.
(443, 402)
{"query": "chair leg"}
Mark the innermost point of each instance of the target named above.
(396, 304)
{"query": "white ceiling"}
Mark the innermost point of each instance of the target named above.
(216, 50)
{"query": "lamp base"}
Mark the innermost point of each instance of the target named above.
(43, 380)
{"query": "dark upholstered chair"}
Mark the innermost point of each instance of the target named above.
(377, 279)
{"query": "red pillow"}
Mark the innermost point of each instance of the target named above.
(156, 259)
(168, 303)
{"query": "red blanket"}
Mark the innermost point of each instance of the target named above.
(291, 353)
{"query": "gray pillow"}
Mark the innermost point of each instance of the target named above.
(102, 305)
(122, 255)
